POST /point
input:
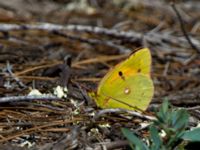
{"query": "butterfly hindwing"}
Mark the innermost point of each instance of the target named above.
(133, 93)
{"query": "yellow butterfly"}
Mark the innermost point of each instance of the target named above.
(128, 85)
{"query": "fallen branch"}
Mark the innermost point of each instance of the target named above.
(158, 38)
(27, 98)
(118, 110)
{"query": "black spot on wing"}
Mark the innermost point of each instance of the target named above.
(121, 75)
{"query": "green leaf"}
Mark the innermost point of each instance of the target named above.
(162, 115)
(174, 138)
(139, 145)
(193, 135)
(180, 119)
(156, 140)
(165, 106)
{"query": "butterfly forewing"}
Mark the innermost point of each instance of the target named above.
(139, 62)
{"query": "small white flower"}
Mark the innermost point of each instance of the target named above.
(163, 133)
(75, 103)
(60, 91)
(34, 92)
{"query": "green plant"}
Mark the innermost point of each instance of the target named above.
(173, 122)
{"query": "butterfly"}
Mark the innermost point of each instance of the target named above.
(128, 85)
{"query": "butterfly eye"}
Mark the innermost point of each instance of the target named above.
(139, 70)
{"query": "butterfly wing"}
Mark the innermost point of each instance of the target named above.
(133, 89)
(133, 93)
(139, 62)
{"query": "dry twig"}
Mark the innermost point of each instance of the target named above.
(27, 98)
(183, 28)
(118, 110)
(128, 36)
